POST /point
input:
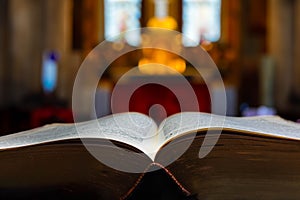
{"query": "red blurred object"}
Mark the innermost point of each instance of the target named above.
(150, 94)
(47, 115)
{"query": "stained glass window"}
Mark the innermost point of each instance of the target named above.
(201, 21)
(121, 16)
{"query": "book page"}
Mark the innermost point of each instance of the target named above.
(273, 126)
(182, 123)
(186, 122)
(132, 128)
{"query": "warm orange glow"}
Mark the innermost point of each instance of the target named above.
(166, 22)
(178, 64)
(149, 68)
(156, 61)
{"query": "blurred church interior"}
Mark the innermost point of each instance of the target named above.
(254, 43)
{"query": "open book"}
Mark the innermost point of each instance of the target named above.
(256, 156)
